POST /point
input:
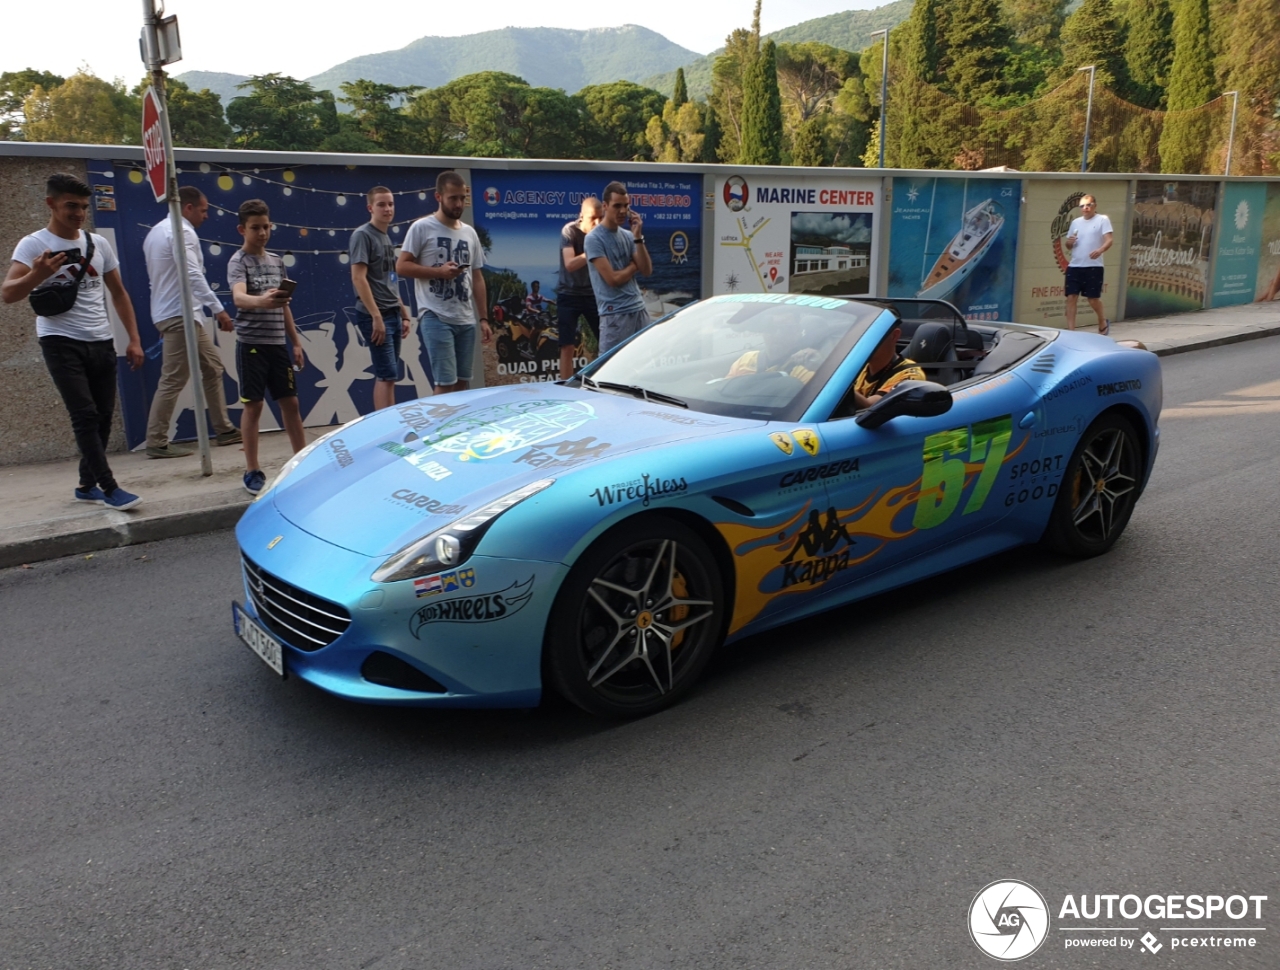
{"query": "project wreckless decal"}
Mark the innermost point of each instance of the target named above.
(806, 551)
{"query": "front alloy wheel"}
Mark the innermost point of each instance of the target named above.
(637, 619)
(1099, 490)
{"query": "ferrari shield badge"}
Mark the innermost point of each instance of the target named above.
(807, 439)
(783, 441)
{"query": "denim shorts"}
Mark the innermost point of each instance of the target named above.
(450, 348)
(386, 355)
(568, 310)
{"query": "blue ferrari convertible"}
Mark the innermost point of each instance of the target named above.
(745, 461)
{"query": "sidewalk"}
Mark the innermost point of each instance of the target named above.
(44, 523)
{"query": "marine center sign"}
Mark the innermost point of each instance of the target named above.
(795, 234)
(153, 146)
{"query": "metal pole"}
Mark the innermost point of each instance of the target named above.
(1231, 138)
(1088, 116)
(884, 88)
(151, 51)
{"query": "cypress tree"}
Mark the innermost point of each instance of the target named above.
(762, 110)
(681, 93)
(975, 42)
(1148, 50)
(807, 149)
(1092, 35)
(711, 134)
(1185, 138)
(1251, 65)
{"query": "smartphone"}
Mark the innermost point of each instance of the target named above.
(288, 286)
(73, 256)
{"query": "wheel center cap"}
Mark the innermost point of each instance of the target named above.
(1100, 485)
(644, 620)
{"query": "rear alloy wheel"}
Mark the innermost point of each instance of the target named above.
(1099, 490)
(637, 619)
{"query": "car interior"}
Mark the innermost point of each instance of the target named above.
(952, 351)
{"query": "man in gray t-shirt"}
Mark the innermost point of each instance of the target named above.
(381, 316)
(616, 254)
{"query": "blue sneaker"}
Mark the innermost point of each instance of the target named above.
(254, 481)
(90, 496)
(120, 500)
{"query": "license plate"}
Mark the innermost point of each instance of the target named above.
(258, 640)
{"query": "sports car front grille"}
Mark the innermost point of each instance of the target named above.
(297, 617)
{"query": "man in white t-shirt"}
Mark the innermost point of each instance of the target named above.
(166, 314)
(77, 342)
(1088, 238)
(443, 256)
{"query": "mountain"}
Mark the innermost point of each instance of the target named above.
(223, 85)
(543, 56)
(850, 30)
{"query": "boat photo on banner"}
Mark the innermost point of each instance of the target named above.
(956, 240)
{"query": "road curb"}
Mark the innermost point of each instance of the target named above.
(1206, 343)
(127, 532)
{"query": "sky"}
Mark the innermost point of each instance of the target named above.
(309, 38)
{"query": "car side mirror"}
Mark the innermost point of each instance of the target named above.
(914, 399)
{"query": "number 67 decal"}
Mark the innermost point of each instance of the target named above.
(942, 480)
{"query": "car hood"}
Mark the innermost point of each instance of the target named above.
(394, 476)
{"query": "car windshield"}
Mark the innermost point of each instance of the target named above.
(748, 355)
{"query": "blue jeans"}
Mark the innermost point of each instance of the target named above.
(450, 348)
(386, 355)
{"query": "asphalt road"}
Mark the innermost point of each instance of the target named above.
(833, 795)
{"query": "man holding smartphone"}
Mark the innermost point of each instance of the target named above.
(166, 314)
(76, 340)
(443, 256)
(381, 316)
(616, 254)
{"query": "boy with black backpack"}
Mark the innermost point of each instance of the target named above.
(63, 270)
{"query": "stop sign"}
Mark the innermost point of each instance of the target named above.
(153, 146)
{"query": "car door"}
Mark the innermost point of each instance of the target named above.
(915, 490)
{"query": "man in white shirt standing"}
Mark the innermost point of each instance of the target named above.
(66, 272)
(166, 314)
(444, 258)
(1088, 238)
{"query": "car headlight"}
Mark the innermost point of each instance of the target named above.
(451, 546)
(301, 456)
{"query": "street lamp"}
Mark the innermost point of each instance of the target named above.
(1231, 138)
(1088, 116)
(884, 86)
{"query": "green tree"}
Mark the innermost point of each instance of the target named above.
(281, 113)
(710, 134)
(1187, 134)
(375, 108)
(741, 48)
(14, 88)
(1036, 23)
(1092, 35)
(676, 135)
(762, 111)
(976, 42)
(680, 95)
(195, 117)
(619, 114)
(83, 109)
(1251, 65)
(1148, 50)
(496, 115)
(810, 76)
(807, 147)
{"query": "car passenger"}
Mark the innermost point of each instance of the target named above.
(885, 370)
(780, 347)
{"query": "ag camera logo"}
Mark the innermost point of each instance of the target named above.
(1008, 920)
